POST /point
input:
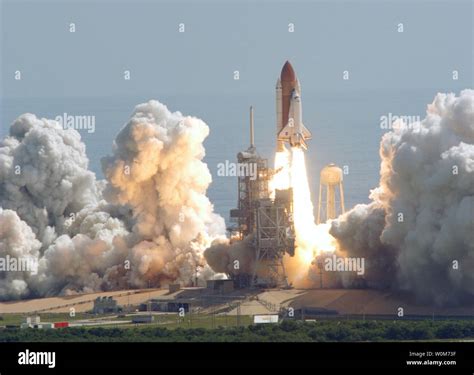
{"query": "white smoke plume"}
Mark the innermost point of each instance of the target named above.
(44, 175)
(157, 172)
(147, 225)
(417, 234)
(17, 241)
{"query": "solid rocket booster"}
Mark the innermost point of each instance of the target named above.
(279, 118)
(290, 126)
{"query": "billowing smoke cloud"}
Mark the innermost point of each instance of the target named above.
(418, 233)
(17, 241)
(232, 258)
(157, 171)
(148, 224)
(44, 175)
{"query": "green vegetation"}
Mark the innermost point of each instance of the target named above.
(289, 331)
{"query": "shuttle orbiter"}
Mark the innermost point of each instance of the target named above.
(290, 126)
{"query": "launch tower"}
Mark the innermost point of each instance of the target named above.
(267, 221)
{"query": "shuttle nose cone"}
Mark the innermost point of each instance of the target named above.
(287, 73)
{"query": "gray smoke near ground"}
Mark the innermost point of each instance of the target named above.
(148, 224)
(231, 258)
(417, 234)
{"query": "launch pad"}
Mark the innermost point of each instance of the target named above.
(267, 221)
(264, 213)
(328, 303)
(266, 204)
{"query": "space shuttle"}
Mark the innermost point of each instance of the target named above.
(290, 128)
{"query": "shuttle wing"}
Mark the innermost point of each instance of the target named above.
(306, 133)
(286, 132)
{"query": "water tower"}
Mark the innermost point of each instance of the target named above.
(330, 181)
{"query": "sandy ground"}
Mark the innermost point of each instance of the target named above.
(80, 302)
(354, 301)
